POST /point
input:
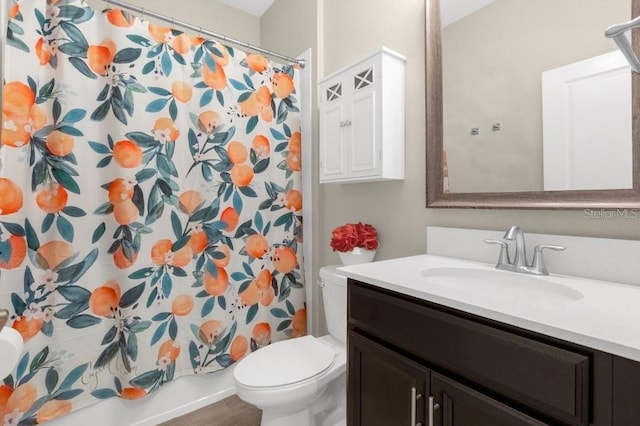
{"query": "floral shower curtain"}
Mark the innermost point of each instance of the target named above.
(150, 206)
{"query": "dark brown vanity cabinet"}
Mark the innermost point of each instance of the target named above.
(389, 389)
(413, 362)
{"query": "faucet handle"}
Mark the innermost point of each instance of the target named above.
(550, 247)
(504, 251)
(538, 261)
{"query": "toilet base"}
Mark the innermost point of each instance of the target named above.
(330, 409)
(299, 418)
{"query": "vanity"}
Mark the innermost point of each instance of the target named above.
(434, 340)
(446, 339)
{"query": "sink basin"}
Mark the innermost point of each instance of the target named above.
(500, 284)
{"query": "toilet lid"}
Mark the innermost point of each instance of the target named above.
(284, 363)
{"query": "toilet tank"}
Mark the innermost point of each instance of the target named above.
(334, 294)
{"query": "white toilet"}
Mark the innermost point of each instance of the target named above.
(302, 381)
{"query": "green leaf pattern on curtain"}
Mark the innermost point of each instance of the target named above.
(150, 206)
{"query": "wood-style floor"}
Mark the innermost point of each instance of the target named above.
(231, 411)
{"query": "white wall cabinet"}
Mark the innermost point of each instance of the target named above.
(362, 124)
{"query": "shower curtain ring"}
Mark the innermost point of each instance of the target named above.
(142, 13)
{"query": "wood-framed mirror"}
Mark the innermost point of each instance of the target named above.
(437, 197)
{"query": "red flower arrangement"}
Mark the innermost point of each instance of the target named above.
(347, 237)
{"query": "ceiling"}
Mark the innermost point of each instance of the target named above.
(254, 7)
(452, 10)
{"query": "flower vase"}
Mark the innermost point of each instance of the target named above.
(356, 256)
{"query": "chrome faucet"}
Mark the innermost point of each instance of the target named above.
(519, 264)
(515, 233)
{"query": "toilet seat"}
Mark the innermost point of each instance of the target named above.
(285, 363)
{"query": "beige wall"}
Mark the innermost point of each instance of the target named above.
(492, 67)
(290, 26)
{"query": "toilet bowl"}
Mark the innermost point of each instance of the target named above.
(302, 381)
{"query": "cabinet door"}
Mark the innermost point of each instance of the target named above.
(333, 142)
(333, 154)
(383, 385)
(458, 405)
(364, 136)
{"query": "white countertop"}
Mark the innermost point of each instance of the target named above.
(606, 317)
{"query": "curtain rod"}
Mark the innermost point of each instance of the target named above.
(200, 30)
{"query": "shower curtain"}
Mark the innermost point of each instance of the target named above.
(150, 206)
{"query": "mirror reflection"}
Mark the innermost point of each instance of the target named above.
(535, 97)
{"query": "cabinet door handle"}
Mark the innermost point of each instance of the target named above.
(432, 407)
(414, 398)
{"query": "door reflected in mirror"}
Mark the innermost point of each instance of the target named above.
(535, 97)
